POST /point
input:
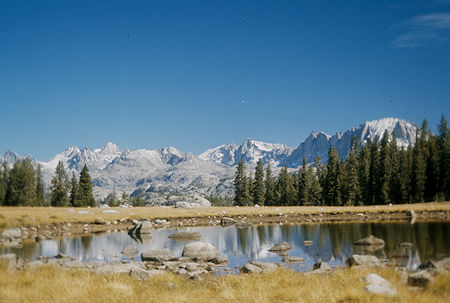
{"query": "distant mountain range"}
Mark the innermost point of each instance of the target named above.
(155, 173)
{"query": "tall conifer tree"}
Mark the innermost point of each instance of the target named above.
(59, 187)
(259, 191)
(85, 188)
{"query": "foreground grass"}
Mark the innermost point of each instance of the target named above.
(17, 216)
(50, 284)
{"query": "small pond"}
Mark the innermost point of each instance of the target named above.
(331, 243)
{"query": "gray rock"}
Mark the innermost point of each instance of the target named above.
(363, 260)
(130, 251)
(200, 251)
(33, 265)
(307, 242)
(283, 246)
(145, 227)
(443, 264)
(225, 221)
(220, 259)
(161, 221)
(265, 266)
(250, 269)
(380, 290)
(420, 279)
(370, 240)
(186, 236)
(377, 280)
(158, 255)
(14, 232)
(406, 244)
(292, 259)
(142, 274)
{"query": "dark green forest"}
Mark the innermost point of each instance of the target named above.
(22, 185)
(377, 172)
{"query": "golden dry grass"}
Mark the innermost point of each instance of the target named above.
(50, 284)
(16, 216)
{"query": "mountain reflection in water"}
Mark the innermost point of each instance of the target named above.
(332, 243)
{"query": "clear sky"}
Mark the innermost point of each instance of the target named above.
(196, 74)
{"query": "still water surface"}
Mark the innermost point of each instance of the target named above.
(331, 243)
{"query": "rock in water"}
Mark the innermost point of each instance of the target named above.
(186, 236)
(14, 232)
(158, 255)
(321, 267)
(281, 247)
(225, 221)
(292, 259)
(145, 227)
(200, 251)
(363, 260)
(370, 240)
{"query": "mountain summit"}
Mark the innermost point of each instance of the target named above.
(156, 172)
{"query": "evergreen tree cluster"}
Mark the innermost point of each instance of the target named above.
(22, 185)
(376, 173)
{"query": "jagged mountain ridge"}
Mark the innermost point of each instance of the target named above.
(157, 172)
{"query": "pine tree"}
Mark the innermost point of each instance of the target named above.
(40, 195)
(285, 189)
(373, 172)
(395, 183)
(331, 186)
(318, 181)
(125, 198)
(418, 170)
(351, 176)
(242, 186)
(303, 185)
(74, 191)
(444, 165)
(59, 187)
(85, 188)
(21, 189)
(270, 196)
(383, 171)
(364, 173)
(258, 190)
(4, 172)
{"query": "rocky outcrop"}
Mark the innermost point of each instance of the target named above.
(129, 251)
(200, 251)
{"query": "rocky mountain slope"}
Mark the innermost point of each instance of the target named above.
(159, 173)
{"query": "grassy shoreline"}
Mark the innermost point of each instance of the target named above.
(50, 284)
(32, 216)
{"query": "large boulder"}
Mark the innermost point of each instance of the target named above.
(292, 259)
(200, 251)
(321, 267)
(145, 227)
(186, 236)
(283, 246)
(251, 269)
(143, 274)
(370, 240)
(265, 266)
(158, 255)
(363, 260)
(379, 286)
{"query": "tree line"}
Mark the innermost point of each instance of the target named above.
(22, 185)
(378, 172)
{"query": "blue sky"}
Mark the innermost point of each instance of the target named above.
(196, 74)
